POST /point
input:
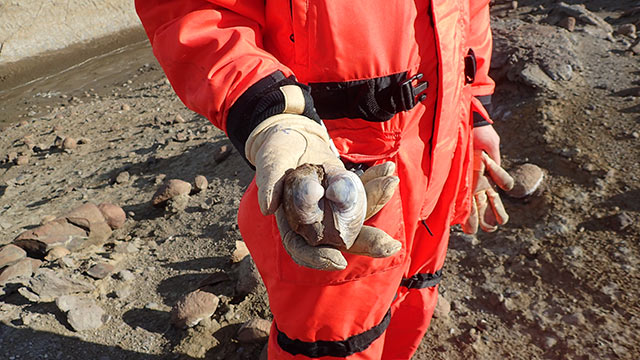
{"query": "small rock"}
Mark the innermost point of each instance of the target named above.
(10, 254)
(240, 252)
(100, 271)
(193, 307)
(114, 215)
(27, 294)
(22, 159)
(621, 221)
(153, 306)
(57, 253)
(222, 153)
(125, 107)
(627, 30)
(170, 189)
(249, 279)
(49, 285)
(574, 319)
(200, 183)
(125, 248)
(179, 119)
(568, 23)
(549, 342)
(123, 177)
(46, 219)
(21, 268)
(443, 308)
(635, 47)
(82, 313)
(254, 330)
(159, 179)
(11, 157)
(84, 140)
(527, 180)
(181, 137)
(67, 262)
(534, 76)
(178, 203)
(69, 144)
(123, 292)
(126, 275)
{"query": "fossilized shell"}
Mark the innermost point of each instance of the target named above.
(324, 204)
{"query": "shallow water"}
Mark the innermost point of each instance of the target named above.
(97, 74)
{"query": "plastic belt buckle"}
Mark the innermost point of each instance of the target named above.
(409, 93)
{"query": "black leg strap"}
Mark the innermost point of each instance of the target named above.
(342, 348)
(422, 280)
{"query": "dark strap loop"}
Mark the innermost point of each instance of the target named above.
(422, 280)
(470, 67)
(376, 99)
(342, 348)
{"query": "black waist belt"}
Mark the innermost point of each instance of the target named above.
(342, 348)
(376, 99)
(422, 280)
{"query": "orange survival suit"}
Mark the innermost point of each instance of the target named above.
(398, 81)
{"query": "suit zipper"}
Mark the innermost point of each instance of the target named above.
(435, 110)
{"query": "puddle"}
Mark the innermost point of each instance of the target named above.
(36, 98)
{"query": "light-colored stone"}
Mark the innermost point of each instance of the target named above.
(222, 153)
(57, 253)
(240, 252)
(193, 307)
(443, 308)
(200, 183)
(69, 143)
(50, 284)
(126, 275)
(113, 214)
(100, 271)
(528, 178)
(170, 189)
(10, 254)
(82, 313)
(122, 177)
(254, 330)
(21, 268)
(249, 279)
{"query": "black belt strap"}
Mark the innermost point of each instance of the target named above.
(342, 348)
(376, 99)
(422, 280)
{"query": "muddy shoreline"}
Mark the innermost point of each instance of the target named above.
(71, 70)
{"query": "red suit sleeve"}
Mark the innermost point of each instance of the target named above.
(480, 41)
(211, 51)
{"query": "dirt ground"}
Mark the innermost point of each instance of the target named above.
(559, 281)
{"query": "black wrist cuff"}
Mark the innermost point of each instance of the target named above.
(478, 119)
(262, 100)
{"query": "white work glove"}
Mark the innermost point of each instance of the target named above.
(487, 209)
(286, 141)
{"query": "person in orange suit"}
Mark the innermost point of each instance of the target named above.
(356, 85)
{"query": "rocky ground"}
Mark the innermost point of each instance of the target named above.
(559, 281)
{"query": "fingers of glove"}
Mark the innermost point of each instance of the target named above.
(499, 211)
(374, 242)
(486, 219)
(380, 170)
(379, 191)
(271, 167)
(314, 257)
(499, 175)
(471, 225)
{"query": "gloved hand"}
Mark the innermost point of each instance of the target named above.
(487, 209)
(379, 185)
